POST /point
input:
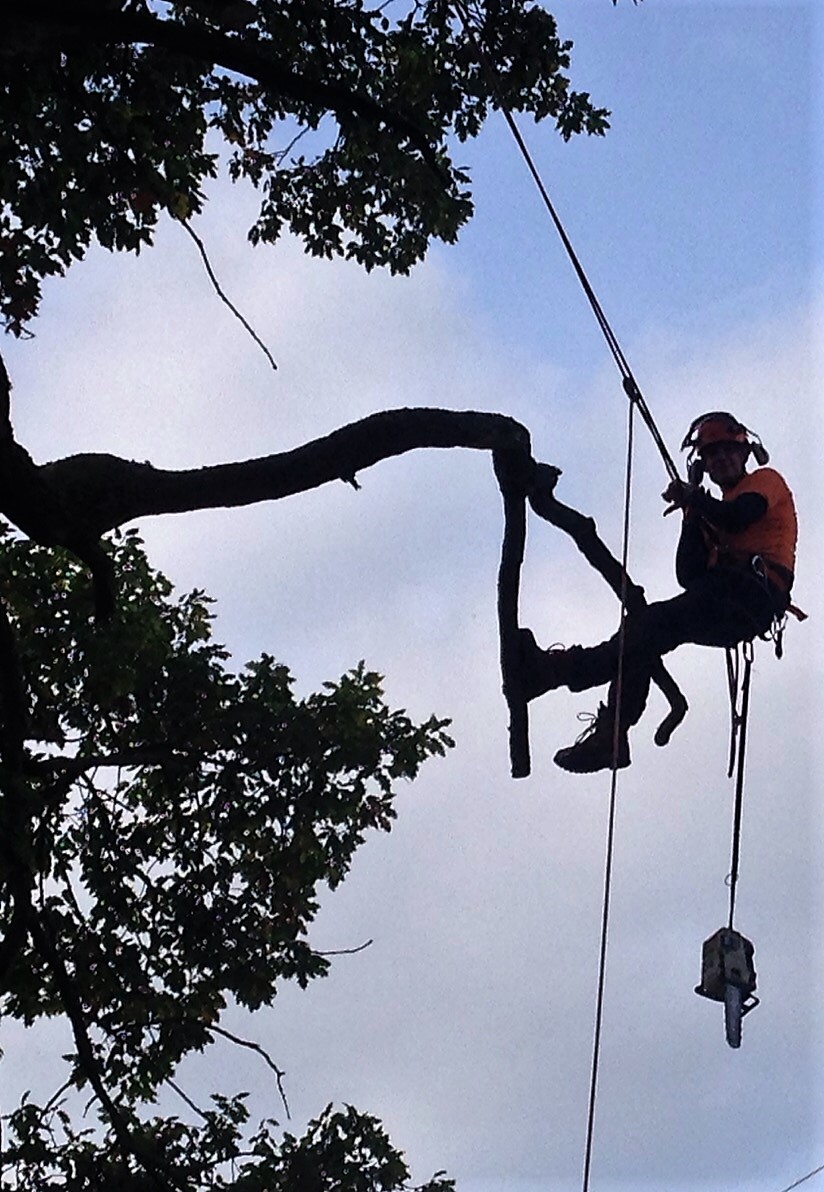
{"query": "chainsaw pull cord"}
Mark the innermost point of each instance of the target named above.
(740, 730)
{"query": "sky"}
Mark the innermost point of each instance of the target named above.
(467, 1024)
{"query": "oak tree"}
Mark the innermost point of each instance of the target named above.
(166, 825)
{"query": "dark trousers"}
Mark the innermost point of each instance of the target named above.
(722, 607)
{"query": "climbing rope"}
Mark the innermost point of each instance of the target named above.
(613, 791)
(636, 401)
(630, 385)
(803, 1179)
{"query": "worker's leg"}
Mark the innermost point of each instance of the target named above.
(721, 608)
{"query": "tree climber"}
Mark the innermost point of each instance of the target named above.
(735, 562)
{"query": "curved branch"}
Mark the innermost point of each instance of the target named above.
(71, 502)
(262, 1052)
(105, 491)
(582, 531)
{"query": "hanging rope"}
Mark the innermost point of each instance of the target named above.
(803, 1179)
(637, 401)
(630, 385)
(616, 732)
(741, 720)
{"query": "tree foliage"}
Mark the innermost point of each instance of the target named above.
(167, 825)
(346, 118)
(178, 824)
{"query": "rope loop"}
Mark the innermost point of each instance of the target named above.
(631, 389)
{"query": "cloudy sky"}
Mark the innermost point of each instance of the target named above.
(467, 1025)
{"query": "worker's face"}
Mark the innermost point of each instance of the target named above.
(725, 463)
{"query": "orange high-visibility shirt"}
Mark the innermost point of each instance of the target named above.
(774, 535)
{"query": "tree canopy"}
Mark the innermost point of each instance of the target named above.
(167, 824)
(345, 116)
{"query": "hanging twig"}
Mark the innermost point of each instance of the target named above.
(512, 469)
(222, 296)
(279, 1074)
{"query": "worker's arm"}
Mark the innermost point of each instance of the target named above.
(692, 555)
(731, 516)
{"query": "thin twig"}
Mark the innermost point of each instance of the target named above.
(280, 154)
(216, 284)
(279, 1074)
(344, 951)
(53, 1099)
(185, 1097)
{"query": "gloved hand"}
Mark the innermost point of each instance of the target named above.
(678, 494)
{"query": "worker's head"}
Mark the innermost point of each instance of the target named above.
(720, 445)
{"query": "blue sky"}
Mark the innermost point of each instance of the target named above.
(467, 1025)
(706, 174)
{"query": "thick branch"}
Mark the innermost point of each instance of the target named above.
(104, 491)
(13, 703)
(241, 55)
(512, 470)
(5, 402)
(585, 536)
(15, 809)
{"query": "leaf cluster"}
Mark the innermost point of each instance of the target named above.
(345, 117)
(340, 1151)
(177, 822)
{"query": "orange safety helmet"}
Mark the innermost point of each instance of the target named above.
(722, 427)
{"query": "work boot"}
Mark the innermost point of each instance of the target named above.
(594, 748)
(541, 670)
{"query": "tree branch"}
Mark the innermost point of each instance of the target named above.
(344, 951)
(86, 495)
(109, 25)
(89, 1063)
(512, 470)
(583, 532)
(71, 768)
(13, 703)
(279, 1074)
(5, 402)
(15, 803)
(105, 491)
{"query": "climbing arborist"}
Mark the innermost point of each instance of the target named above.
(735, 562)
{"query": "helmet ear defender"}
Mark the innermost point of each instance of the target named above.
(695, 470)
(762, 455)
(718, 426)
